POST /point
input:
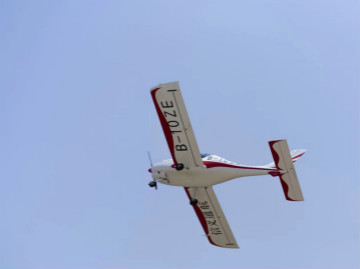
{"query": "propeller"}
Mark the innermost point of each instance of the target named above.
(152, 183)
(151, 163)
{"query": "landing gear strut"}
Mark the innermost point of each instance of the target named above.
(179, 166)
(194, 201)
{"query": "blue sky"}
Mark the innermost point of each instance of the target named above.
(77, 119)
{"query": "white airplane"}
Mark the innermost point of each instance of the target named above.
(197, 173)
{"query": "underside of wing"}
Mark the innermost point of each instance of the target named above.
(212, 217)
(176, 125)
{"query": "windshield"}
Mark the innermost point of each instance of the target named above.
(203, 155)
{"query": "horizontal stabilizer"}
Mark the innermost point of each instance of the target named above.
(284, 162)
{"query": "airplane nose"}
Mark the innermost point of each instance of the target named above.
(150, 171)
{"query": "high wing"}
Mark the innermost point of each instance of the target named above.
(176, 125)
(212, 217)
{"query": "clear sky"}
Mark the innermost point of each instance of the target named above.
(77, 119)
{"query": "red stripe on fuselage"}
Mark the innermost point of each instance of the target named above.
(210, 164)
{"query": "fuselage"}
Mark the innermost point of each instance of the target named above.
(214, 171)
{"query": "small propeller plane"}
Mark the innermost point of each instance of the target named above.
(197, 173)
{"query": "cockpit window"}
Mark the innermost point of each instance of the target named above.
(203, 155)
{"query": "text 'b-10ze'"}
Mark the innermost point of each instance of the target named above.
(197, 173)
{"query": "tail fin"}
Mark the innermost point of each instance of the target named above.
(295, 155)
(283, 160)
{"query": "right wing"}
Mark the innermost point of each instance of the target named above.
(176, 125)
(212, 217)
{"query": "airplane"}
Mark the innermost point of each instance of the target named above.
(197, 172)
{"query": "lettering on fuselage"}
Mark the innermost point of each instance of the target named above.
(173, 121)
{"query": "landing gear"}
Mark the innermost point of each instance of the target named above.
(153, 184)
(179, 166)
(194, 201)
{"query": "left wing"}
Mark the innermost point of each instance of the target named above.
(176, 125)
(212, 217)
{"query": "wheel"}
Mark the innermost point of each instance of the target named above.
(152, 184)
(179, 167)
(194, 202)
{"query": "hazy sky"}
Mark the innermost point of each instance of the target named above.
(77, 118)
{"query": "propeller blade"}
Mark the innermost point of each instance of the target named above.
(151, 163)
(152, 183)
